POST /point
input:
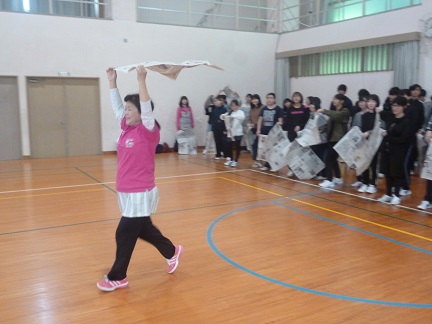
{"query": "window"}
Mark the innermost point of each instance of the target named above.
(245, 15)
(354, 60)
(301, 14)
(76, 8)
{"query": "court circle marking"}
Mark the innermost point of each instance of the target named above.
(289, 285)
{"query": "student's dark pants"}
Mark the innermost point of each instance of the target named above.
(406, 181)
(370, 175)
(332, 162)
(393, 183)
(229, 147)
(220, 139)
(128, 231)
(428, 196)
(321, 151)
(254, 145)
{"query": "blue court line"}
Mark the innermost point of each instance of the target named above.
(355, 228)
(312, 291)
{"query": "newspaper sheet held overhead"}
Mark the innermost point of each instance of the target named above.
(303, 161)
(169, 69)
(358, 152)
(314, 132)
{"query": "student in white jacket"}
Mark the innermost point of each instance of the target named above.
(234, 128)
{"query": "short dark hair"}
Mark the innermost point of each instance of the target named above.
(394, 91)
(235, 102)
(400, 100)
(363, 93)
(375, 98)
(271, 94)
(133, 99)
(340, 97)
(316, 102)
(414, 86)
(342, 87)
(422, 93)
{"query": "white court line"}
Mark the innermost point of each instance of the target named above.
(113, 182)
(342, 192)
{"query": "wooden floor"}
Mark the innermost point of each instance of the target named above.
(259, 247)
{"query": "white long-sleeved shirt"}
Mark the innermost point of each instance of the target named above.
(237, 118)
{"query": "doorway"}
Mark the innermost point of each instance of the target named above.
(10, 126)
(64, 117)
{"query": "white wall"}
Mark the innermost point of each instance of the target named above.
(380, 26)
(37, 45)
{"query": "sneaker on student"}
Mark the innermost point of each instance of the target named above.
(371, 189)
(395, 200)
(174, 261)
(381, 175)
(264, 168)
(320, 178)
(424, 205)
(363, 188)
(290, 173)
(385, 199)
(111, 285)
(357, 184)
(233, 164)
(404, 192)
(204, 152)
(327, 184)
(256, 165)
(228, 163)
(228, 158)
(217, 157)
(337, 181)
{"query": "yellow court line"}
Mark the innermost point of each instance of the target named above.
(253, 187)
(51, 194)
(363, 220)
(335, 212)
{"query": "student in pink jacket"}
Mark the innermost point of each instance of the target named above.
(184, 117)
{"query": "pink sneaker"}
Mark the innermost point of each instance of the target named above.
(174, 261)
(111, 285)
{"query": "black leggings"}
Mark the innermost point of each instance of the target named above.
(370, 174)
(237, 147)
(332, 162)
(128, 231)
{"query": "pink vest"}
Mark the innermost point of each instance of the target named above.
(136, 158)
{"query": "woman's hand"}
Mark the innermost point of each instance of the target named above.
(141, 72)
(112, 77)
(111, 74)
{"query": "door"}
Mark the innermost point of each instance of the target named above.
(64, 117)
(10, 130)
